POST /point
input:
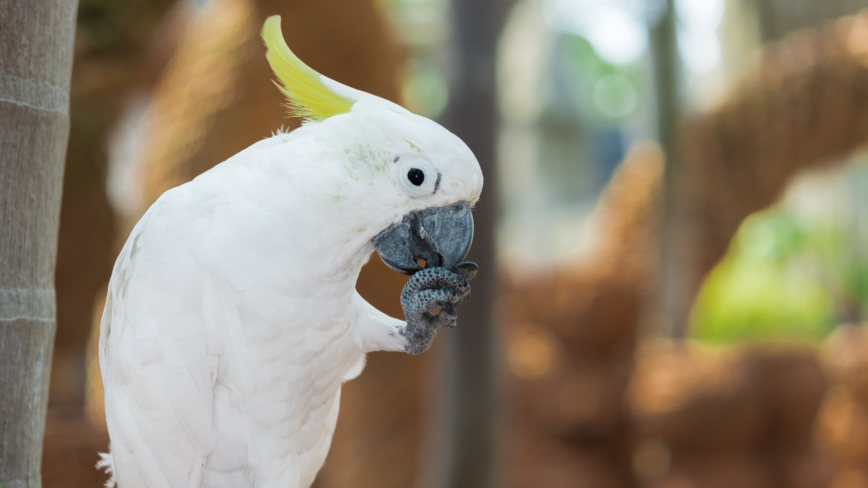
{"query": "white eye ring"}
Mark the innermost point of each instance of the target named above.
(417, 176)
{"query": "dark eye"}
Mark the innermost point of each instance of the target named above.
(416, 176)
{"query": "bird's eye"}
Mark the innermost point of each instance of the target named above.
(416, 176)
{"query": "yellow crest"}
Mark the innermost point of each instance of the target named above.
(307, 96)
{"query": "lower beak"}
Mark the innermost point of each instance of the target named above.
(441, 236)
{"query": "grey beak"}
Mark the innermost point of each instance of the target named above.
(439, 235)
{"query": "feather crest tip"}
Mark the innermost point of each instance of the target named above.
(307, 96)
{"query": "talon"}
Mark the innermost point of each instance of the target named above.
(467, 270)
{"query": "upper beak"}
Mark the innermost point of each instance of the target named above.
(439, 235)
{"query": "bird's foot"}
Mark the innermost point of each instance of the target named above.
(427, 289)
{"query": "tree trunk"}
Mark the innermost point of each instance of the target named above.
(674, 303)
(471, 373)
(35, 66)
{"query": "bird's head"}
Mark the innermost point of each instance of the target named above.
(406, 183)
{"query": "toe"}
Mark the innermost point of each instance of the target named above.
(467, 270)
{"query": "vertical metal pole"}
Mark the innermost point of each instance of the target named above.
(471, 378)
(666, 87)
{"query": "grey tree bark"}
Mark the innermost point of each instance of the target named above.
(36, 42)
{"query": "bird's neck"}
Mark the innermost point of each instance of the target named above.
(293, 214)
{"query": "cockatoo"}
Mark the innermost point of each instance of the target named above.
(232, 317)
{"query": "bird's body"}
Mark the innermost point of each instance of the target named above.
(232, 316)
(187, 273)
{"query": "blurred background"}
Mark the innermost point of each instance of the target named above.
(685, 313)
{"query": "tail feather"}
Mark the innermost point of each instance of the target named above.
(107, 463)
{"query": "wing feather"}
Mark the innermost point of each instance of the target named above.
(160, 346)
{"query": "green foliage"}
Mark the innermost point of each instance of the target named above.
(773, 284)
(796, 270)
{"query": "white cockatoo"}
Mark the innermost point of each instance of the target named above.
(232, 316)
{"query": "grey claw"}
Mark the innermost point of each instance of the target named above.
(467, 270)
